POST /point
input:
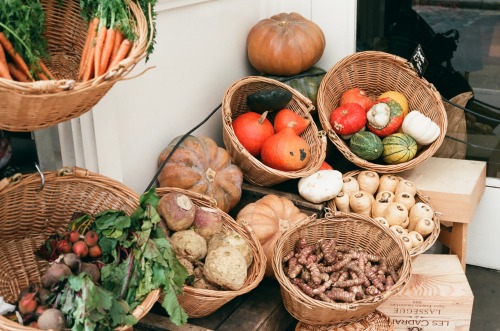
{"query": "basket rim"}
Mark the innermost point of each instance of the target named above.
(431, 239)
(310, 303)
(406, 68)
(230, 137)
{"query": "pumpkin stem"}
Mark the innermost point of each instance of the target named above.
(210, 174)
(263, 117)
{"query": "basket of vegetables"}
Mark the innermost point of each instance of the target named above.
(59, 58)
(223, 259)
(394, 202)
(339, 269)
(379, 113)
(79, 249)
(376, 321)
(269, 132)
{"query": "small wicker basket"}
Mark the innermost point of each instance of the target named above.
(201, 302)
(40, 104)
(377, 72)
(33, 207)
(419, 197)
(351, 230)
(376, 321)
(254, 171)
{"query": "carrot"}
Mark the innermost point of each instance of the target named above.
(16, 57)
(89, 67)
(122, 53)
(45, 71)
(17, 74)
(91, 33)
(99, 44)
(4, 69)
(107, 50)
(42, 76)
(118, 40)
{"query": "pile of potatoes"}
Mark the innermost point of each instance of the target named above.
(216, 258)
(391, 200)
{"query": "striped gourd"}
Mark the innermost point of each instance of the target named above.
(398, 148)
(366, 145)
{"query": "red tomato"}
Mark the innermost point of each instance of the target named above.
(357, 95)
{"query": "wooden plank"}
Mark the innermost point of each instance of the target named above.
(454, 187)
(437, 298)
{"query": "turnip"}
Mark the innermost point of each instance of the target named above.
(51, 319)
(177, 210)
(207, 222)
(189, 244)
(232, 238)
(92, 270)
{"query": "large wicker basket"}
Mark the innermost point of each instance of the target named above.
(377, 72)
(254, 171)
(201, 302)
(40, 104)
(351, 230)
(419, 197)
(376, 321)
(33, 207)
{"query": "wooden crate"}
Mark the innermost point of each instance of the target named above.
(454, 187)
(437, 298)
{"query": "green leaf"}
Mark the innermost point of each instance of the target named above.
(177, 315)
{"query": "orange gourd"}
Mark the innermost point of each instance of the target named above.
(285, 116)
(269, 217)
(285, 44)
(200, 165)
(252, 129)
(285, 150)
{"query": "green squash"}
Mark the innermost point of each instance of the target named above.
(307, 82)
(366, 145)
(398, 148)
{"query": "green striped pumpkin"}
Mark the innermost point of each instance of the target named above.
(398, 148)
(366, 145)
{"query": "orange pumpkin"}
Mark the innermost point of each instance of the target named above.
(285, 116)
(269, 217)
(252, 129)
(285, 150)
(200, 165)
(285, 44)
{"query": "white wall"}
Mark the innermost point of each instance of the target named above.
(200, 51)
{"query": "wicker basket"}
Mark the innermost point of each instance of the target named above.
(419, 197)
(40, 104)
(377, 72)
(351, 230)
(254, 171)
(200, 302)
(32, 208)
(376, 321)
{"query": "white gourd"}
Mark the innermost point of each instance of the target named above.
(321, 186)
(420, 127)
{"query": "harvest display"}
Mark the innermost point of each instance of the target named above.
(382, 128)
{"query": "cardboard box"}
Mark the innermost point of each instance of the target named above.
(454, 186)
(437, 298)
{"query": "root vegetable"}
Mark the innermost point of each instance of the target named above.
(342, 202)
(177, 210)
(388, 183)
(406, 186)
(92, 270)
(425, 226)
(91, 238)
(44, 296)
(232, 238)
(382, 221)
(95, 251)
(27, 303)
(406, 223)
(80, 248)
(226, 267)
(396, 213)
(398, 230)
(416, 238)
(63, 246)
(188, 265)
(368, 181)
(74, 236)
(381, 203)
(54, 274)
(385, 195)
(406, 241)
(51, 319)
(73, 261)
(418, 211)
(406, 199)
(361, 202)
(350, 185)
(189, 244)
(207, 222)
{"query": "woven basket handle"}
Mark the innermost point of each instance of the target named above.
(74, 171)
(5, 182)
